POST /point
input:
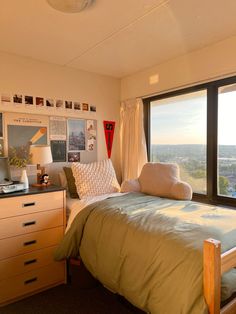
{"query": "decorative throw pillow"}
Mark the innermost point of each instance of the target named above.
(162, 179)
(70, 182)
(63, 180)
(95, 178)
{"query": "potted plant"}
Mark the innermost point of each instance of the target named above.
(19, 158)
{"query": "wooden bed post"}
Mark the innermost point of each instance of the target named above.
(212, 274)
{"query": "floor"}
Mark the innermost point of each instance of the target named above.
(83, 295)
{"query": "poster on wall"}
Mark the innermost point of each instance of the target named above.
(59, 104)
(77, 105)
(68, 104)
(6, 99)
(24, 130)
(76, 135)
(93, 108)
(73, 156)
(109, 128)
(17, 99)
(29, 100)
(58, 149)
(57, 128)
(49, 102)
(39, 102)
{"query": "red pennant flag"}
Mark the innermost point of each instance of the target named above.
(109, 128)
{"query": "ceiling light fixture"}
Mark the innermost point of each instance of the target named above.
(70, 6)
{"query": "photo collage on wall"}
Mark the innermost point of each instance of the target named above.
(40, 102)
(67, 137)
(70, 138)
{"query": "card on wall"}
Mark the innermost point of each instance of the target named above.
(91, 135)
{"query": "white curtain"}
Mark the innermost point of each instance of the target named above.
(132, 139)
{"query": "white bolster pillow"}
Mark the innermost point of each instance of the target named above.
(181, 191)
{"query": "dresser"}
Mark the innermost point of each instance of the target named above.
(32, 224)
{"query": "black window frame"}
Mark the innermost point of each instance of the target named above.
(212, 87)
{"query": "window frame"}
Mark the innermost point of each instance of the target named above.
(212, 87)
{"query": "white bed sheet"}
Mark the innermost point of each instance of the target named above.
(76, 205)
(69, 204)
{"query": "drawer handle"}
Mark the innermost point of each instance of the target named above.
(28, 204)
(30, 280)
(31, 261)
(29, 223)
(29, 242)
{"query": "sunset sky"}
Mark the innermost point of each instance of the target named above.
(179, 120)
(226, 119)
(182, 119)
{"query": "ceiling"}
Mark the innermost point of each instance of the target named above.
(115, 38)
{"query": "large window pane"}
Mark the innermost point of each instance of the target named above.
(227, 141)
(178, 134)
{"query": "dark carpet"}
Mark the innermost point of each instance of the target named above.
(83, 295)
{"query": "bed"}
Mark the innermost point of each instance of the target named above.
(150, 250)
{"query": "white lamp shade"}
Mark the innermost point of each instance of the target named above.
(40, 154)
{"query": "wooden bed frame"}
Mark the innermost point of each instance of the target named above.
(214, 265)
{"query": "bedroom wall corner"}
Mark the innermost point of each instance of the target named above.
(209, 63)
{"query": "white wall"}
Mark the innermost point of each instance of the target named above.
(215, 61)
(23, 75)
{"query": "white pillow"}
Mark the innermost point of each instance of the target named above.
(95, 178)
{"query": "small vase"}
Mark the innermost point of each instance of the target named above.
(24, 179)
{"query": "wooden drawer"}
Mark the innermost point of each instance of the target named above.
(21, 205)
(17, 286)
(29, 242)
(23, 263)
(18, 225)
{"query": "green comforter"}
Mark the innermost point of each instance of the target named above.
(149, 249)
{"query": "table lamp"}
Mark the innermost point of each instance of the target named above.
(41, 155)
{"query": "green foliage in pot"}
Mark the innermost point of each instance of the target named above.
(19, 157)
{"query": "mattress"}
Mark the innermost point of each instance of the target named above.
(74, 206)
(69, 204)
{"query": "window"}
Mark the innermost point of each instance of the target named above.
(227, 141)
(195, 128)
(178, 134)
